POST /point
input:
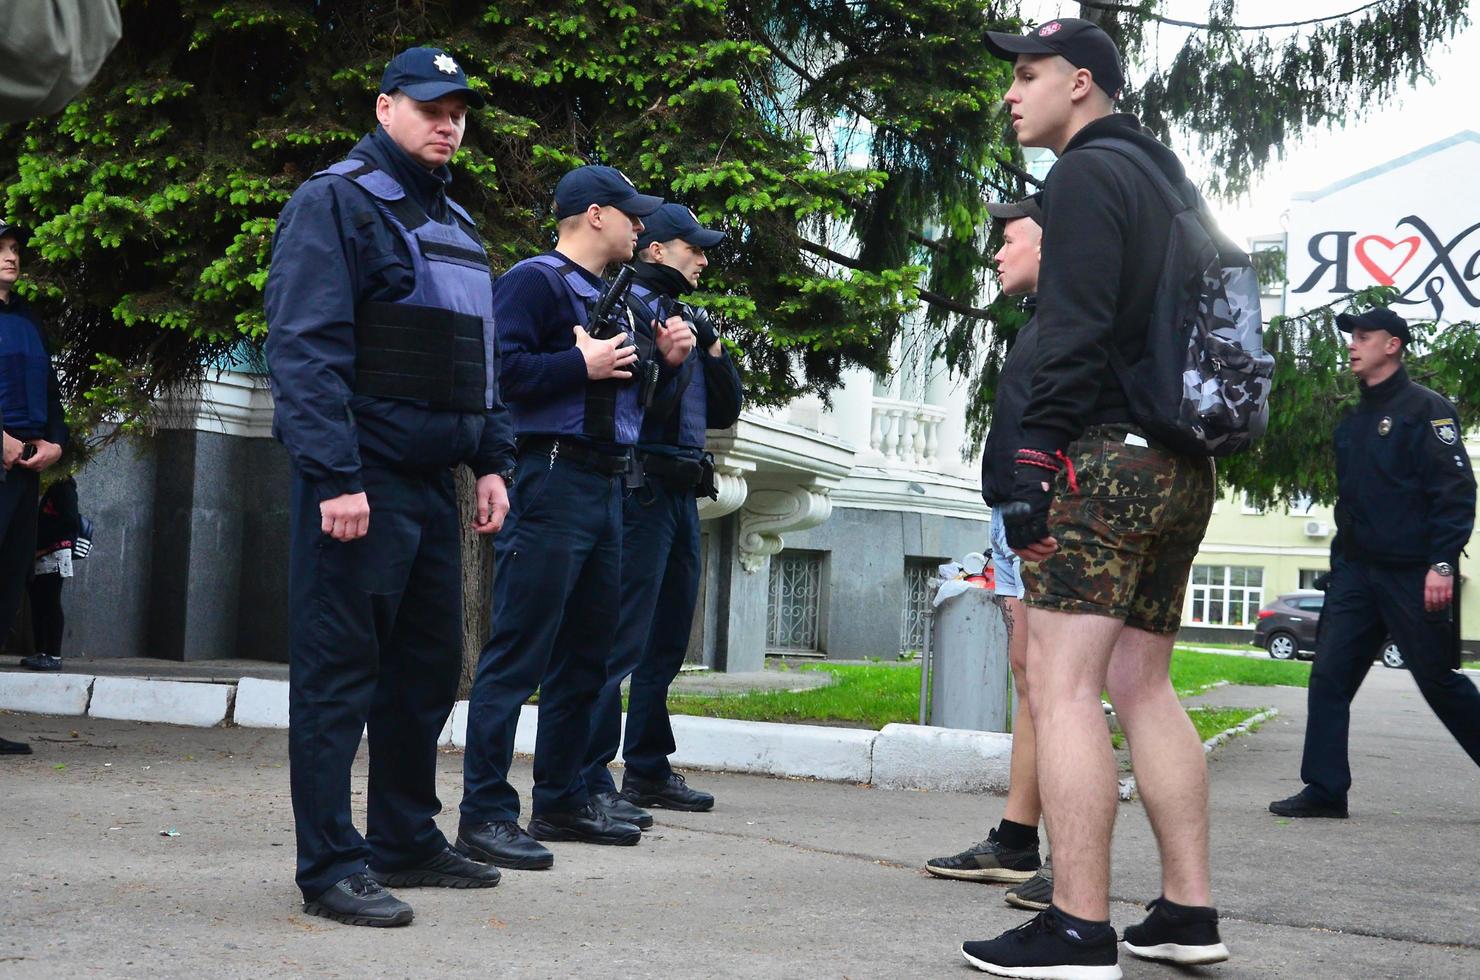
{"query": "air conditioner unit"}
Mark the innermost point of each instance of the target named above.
(1317, 529)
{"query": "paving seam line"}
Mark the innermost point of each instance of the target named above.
(1128, 784)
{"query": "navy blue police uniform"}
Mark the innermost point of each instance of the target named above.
(660, 541)
(384, 374)
(1406, 503)
(31, 408)
(558, 559)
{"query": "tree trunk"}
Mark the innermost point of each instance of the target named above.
(477, 581)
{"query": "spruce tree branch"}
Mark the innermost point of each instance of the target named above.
(929, 296)
(1122, 8)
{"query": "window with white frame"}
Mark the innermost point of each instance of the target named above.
(1250, 507)
(1308, 577)
(1225, 595)
(1302, 506)
(794, 607)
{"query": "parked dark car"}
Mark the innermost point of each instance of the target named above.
(1287, 629)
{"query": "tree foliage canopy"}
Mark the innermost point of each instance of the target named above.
(848, 146)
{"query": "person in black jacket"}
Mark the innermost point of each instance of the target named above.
(57, 528)
(1405, 509)
(1107, 523)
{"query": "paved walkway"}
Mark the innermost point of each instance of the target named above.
(785, 879)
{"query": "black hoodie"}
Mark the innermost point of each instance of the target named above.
(1105, 231)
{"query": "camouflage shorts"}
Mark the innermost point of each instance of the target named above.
(1127, 538)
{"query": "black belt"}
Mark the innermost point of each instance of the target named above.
(577, 453)
(677, 472)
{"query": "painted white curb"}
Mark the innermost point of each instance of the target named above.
(45, 694)
(171, 702)
(812, 751)
(261, 703)
(944, 759)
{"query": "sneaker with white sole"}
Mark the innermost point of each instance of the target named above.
(1182, 934)
(987, 861)
(1046, 947)
(1036, 893)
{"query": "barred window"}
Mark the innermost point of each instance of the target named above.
(917, 575)
(1226, 595)
(794, 606)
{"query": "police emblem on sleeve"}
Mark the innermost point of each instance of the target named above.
(444, 63)
(1385, 426)
(1447, 430)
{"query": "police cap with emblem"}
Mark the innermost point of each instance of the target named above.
(427, 74)
(13, 230)
(1377, 318)
(676, 221)
(1078, 42)
(591, 184)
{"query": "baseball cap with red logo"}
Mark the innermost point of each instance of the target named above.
(1078, 42)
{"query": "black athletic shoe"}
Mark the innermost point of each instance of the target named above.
(987, 861)
(1036, 893)
(505, 844)
(1307, 804)
(587, 825)
(7, 747)
(41, 661)
(449, 869)
(359, 901)
(672, 793)
(616, 806)
(1046, 948)
(1182, 934)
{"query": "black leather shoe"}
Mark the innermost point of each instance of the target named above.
(505, 844)
(670, 794)
(616, 806)
(449, 869)
(7, 747)
(1305, 804)
(359, 901)
(587, 825)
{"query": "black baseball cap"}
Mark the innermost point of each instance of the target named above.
(12, 229)
(1377, 318)
(676, 221)
(427, 74)
(1078, 42)
(591, 184)
(1029, 207)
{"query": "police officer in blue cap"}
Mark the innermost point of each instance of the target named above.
(575, 387)
(1405, 508)
(385, 376)
(660, 537)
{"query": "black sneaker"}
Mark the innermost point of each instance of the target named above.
(359, 901)
(1182, 934)
(1307, 804)
(41, 661)
(616, 806)
(7, 747)
(449, 869)
(587, 825)
(673, 793)
(505, 844)
(1046, 948)
(987, 861)
(1036, 893)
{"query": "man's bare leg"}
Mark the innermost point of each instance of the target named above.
(1069, 655)
(1022, 805)
(1171, 768)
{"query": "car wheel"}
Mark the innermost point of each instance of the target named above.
(1282, 646)
(1392, 656)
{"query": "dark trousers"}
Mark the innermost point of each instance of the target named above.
(376, 638)
(47, 620)
(18, 500)
(555, 609)
(1364, 605)
(660, 585)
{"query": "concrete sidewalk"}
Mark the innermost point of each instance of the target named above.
(784, 879)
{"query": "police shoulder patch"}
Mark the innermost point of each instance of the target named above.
(1446, 429)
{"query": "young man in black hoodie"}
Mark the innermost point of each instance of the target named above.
(1107, 523)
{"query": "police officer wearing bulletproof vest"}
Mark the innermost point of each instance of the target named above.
(660, 536)
(577, 372)
(385, 376)
(1405, 509)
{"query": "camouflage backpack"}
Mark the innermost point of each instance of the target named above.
(1202, 385)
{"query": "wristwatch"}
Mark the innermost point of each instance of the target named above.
(1442, 568)
(508, 476)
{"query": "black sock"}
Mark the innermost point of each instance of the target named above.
(1017, 836)
(1085, 929)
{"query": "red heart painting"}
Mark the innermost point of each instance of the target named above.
(1387, 252)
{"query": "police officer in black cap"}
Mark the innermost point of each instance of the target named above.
(1405, 508)
(385, 376)
(660, 537)
(576, 388)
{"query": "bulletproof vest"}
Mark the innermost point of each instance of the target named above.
(25, 372)
(606, 410)
(685, 425)
(435, 345)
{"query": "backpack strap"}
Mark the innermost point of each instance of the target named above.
(1185, 198)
